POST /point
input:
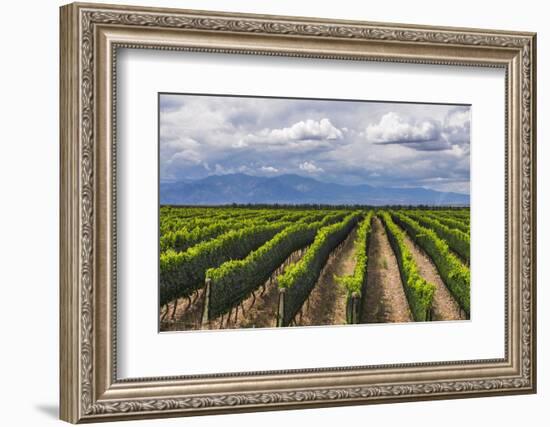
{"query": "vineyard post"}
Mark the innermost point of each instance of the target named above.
(355, 308)
(281, 308)
(205, 314)
(429, 314)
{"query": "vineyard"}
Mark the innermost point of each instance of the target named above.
(255, 267)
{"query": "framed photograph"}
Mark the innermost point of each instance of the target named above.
(267, 212)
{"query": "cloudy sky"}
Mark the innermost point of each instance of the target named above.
(346, 142)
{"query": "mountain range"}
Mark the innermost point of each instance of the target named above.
(294, 189)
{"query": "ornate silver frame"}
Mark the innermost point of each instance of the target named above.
(90, 36)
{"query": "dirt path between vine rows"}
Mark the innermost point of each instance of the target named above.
(445, 306)
(384, 296)
(188, 314)
(326, 304)
(259, 310)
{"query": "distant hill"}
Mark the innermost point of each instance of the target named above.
(295, 189)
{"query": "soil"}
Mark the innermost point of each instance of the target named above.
(326, 304)
(384, 296)
(445, 306)
(259, 310)
(188, 313)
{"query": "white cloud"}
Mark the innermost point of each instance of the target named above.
(187, 156)
(457, 126)
(180, 151)
(310, 167)
(240, 144)
(459, 117)
(269, 169)
(394, 128)
(220, 170)
(224, 170)
(424, 134)
(175, 144)
(305, 130)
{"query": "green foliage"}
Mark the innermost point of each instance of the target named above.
(181, 273)
(181, 220)
(419, 292)
(355, 283)
(180, 232)
(178, 219)
(234, 280)
(453, 273)
(462, 215)
(300, 278)
(184, 238)
(240, 247)
(456, 239)
(449, 220)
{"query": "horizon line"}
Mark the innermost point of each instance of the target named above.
(308, 177)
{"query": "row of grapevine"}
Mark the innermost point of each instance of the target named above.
(459, 212)
(174, 224)
(300, 278)
(456, 239)
(204, 212)
(461, 215)
(184, 238)
(181, 273)
(449, 221)
(454, 273)
(418, 291)
(171, 224)
(234, 280)
(355, 283)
